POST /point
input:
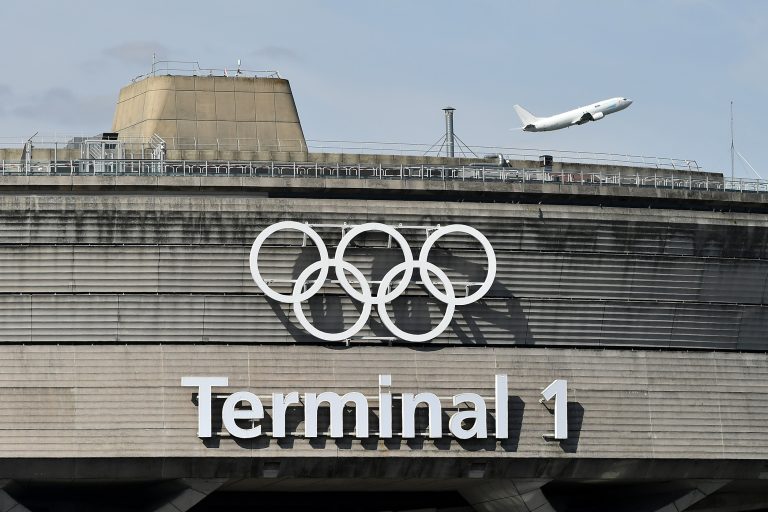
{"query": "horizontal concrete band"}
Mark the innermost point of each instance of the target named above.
(126, 401)
(353, 187)
(130, 219)
(206, 318)
(566, 274)
(522, 274)
(400, 471)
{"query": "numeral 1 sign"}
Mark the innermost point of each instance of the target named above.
(559, 390)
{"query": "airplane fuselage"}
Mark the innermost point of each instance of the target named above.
(581, 115)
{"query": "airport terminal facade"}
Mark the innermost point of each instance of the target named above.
(585, 345)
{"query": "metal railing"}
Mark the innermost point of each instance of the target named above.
(192, 68)
(421, 150)
(142, 155)
(303, 170)
(510, 153)
(137, 147)
(130, 147)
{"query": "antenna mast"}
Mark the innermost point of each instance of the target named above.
(449, 141)
(732, 149)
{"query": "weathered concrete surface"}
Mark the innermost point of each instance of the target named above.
(128, 401)
(111, 289)
(174, 268)
(647, 430)
(427, 189)
(215, 113)
(508, 495)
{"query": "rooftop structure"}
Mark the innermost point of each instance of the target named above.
(193, 111)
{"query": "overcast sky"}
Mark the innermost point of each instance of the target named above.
(382, 71)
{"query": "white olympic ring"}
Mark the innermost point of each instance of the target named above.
(383, 293)
(449, 308)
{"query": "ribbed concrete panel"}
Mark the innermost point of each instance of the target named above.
(754, 326)
(127, 401)
(30, 408)
(15, 318)
(740, 282)
(149, 269)
(141, 318)
(241, 319)
(215, 220)
(26, 366)
(138, 365)
(638, 323)
(161, 318)
(74, 318)
(104, 269)
(104, 408)
(37, 269)
(203, 269)
(225, 269)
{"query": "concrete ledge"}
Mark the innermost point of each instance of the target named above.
(430, 189)
(248, 466)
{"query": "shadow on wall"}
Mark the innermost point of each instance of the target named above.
(575, 421)
(412, 313)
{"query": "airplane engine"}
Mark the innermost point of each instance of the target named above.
(597, 115)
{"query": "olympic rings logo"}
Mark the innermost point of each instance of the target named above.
(302, 292)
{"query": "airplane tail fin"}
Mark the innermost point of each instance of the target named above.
(526, 117)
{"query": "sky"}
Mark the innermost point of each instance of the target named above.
(382, 71)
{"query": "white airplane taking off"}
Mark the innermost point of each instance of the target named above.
(580, 115)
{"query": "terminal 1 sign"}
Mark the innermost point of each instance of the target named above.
(243, 406)
(243, 412)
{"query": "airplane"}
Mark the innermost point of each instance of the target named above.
(581, 115)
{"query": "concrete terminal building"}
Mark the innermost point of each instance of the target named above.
(126, 268)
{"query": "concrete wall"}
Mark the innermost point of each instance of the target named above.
(568, 275)
(108, 299)
(126, 401)
(210, 112)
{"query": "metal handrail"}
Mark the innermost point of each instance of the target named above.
(140, 145)
(371, 147)
(303, 170)
(414, 149)
(364, 147)
(192, 68)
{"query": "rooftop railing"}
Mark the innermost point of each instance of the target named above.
(303, 170)
(192, 68)
(510, 153)
(137, 145)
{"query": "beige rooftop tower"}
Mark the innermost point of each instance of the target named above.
(211, 113)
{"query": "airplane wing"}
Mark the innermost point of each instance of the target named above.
(585, 118)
